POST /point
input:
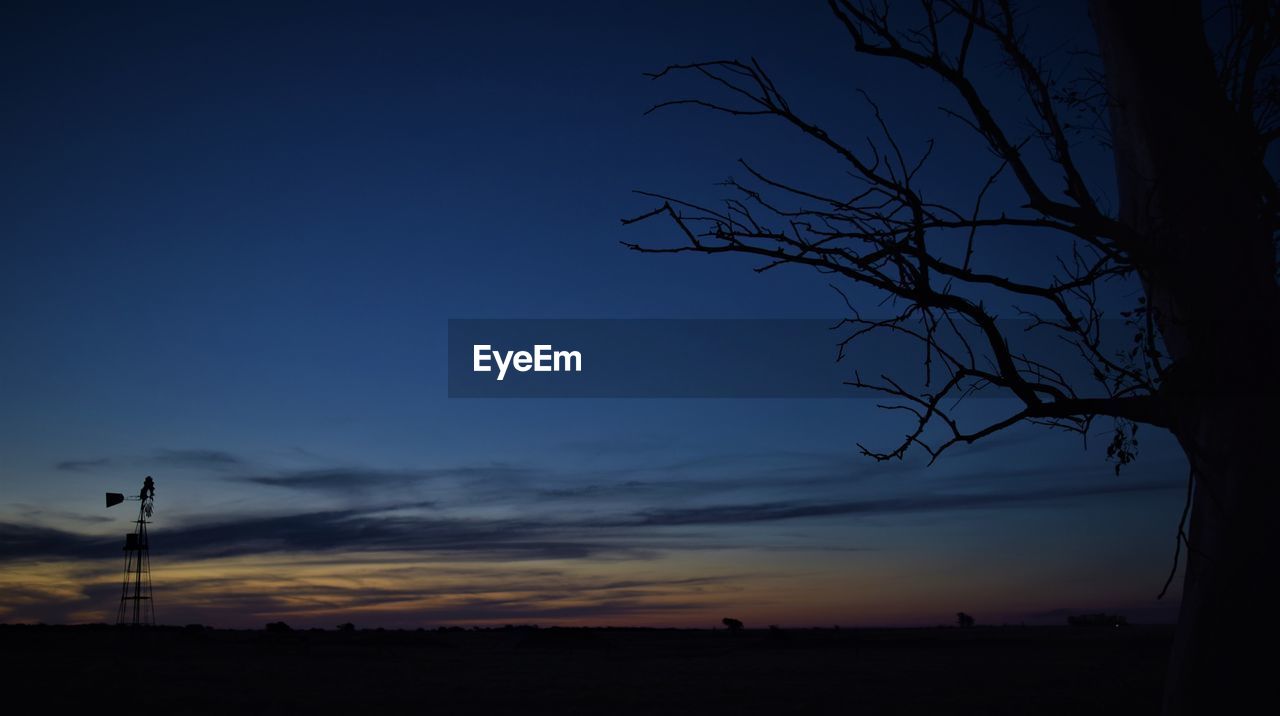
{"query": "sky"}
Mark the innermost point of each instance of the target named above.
(234, 234)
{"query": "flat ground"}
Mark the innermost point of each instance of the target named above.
(983, 670)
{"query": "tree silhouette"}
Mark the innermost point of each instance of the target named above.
(1195, 232)
(964, 620)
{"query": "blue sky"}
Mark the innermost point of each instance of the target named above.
(234, 235)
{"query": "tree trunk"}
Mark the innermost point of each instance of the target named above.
(1187, 168)
(1222, 657)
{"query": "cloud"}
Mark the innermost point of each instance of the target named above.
(187, 457)
(594, 490)
(335, 480)
(625, 532)
(394, 594)
(34, 512)
(355, 479)
(336, 531)
(774, 511)
(720, 474)
(216, 459)
(81, 465)
(826, 480)
(350, 530)
(23, 541)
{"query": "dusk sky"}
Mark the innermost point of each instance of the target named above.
(233, 236)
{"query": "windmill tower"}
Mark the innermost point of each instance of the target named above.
(137, 608)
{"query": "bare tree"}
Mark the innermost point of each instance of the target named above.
(1195, 232)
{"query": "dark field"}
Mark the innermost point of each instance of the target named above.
(984, 670)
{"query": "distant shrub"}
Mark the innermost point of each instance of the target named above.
(731, 624)
(346, 626)
(278, 628)
(964, 620)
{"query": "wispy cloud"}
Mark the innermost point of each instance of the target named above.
(631, 534)
(81, 465)
(339, 531)
(185, 457)
(27, 541)
(356, 479)
(391, 595)
(216, 459)
(774, 511)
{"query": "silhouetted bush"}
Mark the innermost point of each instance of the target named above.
(278, 628)
(731, 624)
(346, 626)
(964, 620)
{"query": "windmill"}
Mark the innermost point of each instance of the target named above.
(137, 607)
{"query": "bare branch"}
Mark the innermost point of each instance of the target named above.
(922, 255)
